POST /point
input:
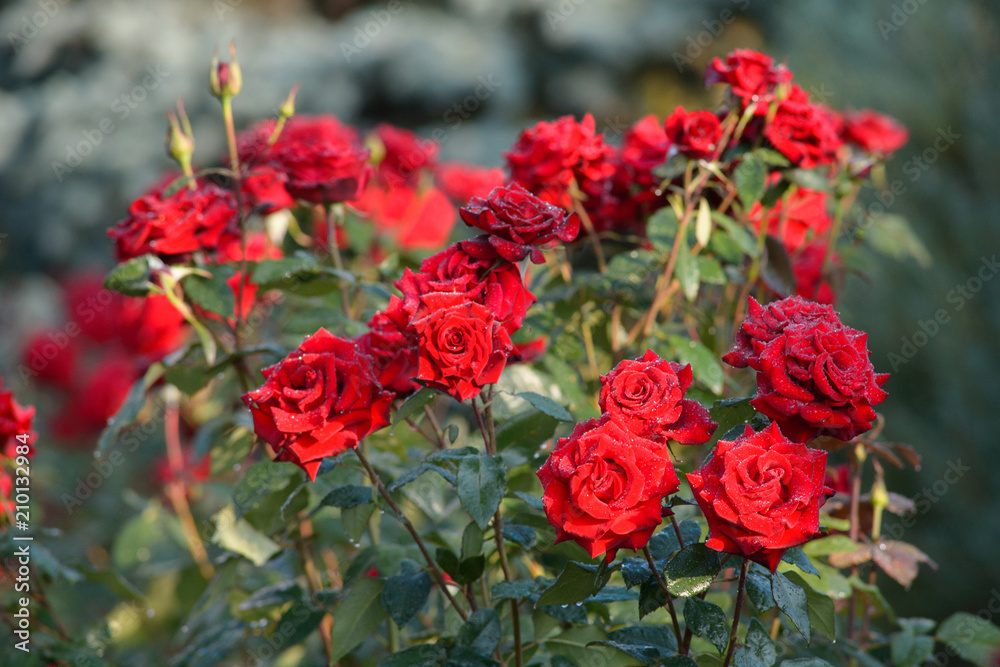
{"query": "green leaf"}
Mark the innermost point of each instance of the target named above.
(260, 481)
(628, 270)
(482, 481)
(791, 600)
(729, 413)
(970, 636)
(355, 520)
(651, 597)
(776, 271)
(238, 536)
(692, 570)
(357, 617)
(710, 271)
(662, 228)
(821, 609)
(771, 157)
(347, 496)
(805, 662)
(212, 294)
(115, 582)
(649, 644)
(707, 620)
(526, 431)
(908, 650)
(832, 544)
(414, 403)
(704, 364)
(576, 582)
(508, 590)
(127, 413)
(423, 655)
(892, 235)
(211, 646)
(746, 241)
(758, 589)
(687, 273)
(757, 650)
(799, 559)
(405, 593)
(750, 177)
(481, 632)
(472, 541)
(534, 502)
(132, 278)
(665, 542)
(522, 535)
(279, 593)
(546, 405)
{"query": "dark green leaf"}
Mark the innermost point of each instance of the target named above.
(799, 559)
(210, 647)
(355, 520)
(413, 473)
(757, 650)
(908, 650)
(505, 590)
(692, 570)
(526, 431)
(750, 177)
(746, 241)
(628, 270)
(704, 364)
(470, 569)
(707, 620)
(212, 294)
(347, 496)
(645, 635)
(357, 616)
(534, 502)
(917, 626)
(729, 413)
(651, 597)
(448, 561)
(821, 611)
(461, 656)
(805, 662)
(115, 582)
(710, 271)
(612, 594)
(523, 535)
(413, 404)
(546, 405)
(472, 541)
(424, 655)
(758, 589)
(969, 636)
(279, 593)
(665, 542)
(260, 481)
(635, 571)
(771, 157)
(567, 613)
(776, 271)
(125, 417)
(482, 481)
(132, 278)
(481, 632)
(791, 600)
(299, 622)
(46, 562)
(405, 593)
(576, 582)
(662, 228)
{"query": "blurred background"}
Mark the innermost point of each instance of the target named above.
(84, 85)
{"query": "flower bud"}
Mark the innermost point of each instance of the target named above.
(180, 146)
(287, 108)
(226, 79)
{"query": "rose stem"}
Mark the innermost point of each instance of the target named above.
(686, 643)
(438, 433)
(435, 571)
(331, 238)
(853, 531)
(736, 612)
(489, 439)
(666, 593)
(176, 489)
(588, 226)
(315, 582)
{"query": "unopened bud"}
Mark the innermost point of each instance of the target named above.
(287, 108)
(180, 146)
(226, 79)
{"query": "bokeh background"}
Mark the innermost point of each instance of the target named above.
(480, 71)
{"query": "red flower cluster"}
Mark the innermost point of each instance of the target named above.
(695, 134)
(752, 77)
(604, 485)
(319, 401)
(761, 495)
(814, 376)
(16, 439)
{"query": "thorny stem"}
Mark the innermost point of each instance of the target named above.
(666, 593)
(177, 489)
(435, 570)
(740, 591)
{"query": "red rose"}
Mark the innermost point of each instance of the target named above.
(696, 134)
(405, 154)
(751, 75)
(319, 401)
(874, 132)
(814, 375)
(414, 219)
(475, 268)
(804, 133)
(264, 190)
(604, 487)
(462, 182)
(321, 158)
(646, 396)
(528, 351)
(392, 353)
(802, 217)
(97, 397)
(838, 478)
(15, 420)
(51, 357)
(92, 307)
(461, 347)
(151, 327)
(612, 205)
(519, 223)
(645, 148)
(548, 157)
(764, 324)
(174, 226)
(258, 248)
(807, 269)
(761, 495)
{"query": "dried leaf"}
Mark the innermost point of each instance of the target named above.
(900, 560)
